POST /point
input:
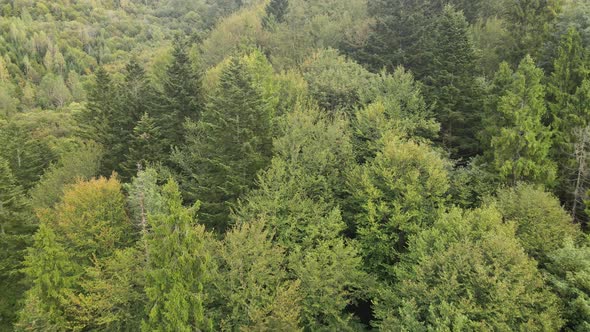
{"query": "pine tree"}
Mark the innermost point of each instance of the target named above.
(450, 83)
(177, 267)
(182, 97)
(229, 145)
(521, 148)
(145, 146)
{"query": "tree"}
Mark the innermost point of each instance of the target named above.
(183, 97)
(52, 274)
(82, 266)
(16, 228)
(567, 269)
(398, 193)
(250, 288)
(541, 223)
(96, 118)
(27, 155)
(468, 272)
(275, 13)
(229, 145)
(177, 267)
(53, 92)
(450, 83)
(145, 146)
(528, 23)
(82, 163)
(297, 198)
(521, 148)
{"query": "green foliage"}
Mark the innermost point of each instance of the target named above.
(521, 148)
(541, 223)
(82, 163)
(230, 143)
(468, 272)
(81, 267)
(251, 288)
(176, 267)
(568, 270)
(27, 155)
(16, 229)
(182, 94)
(399, 194)
(297, 198)
(334, 81)
(146, 145)
(450, 83)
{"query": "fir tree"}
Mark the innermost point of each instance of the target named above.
(16, 229)
(177, 267)
(182, 97)
(451, 86)
(229, 145)
(145, 146)
(521, 147)
(275, 13)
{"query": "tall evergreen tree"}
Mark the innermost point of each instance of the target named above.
(177, 267)
(183, 96)
(521, 147)
(275, 13)
(16, 229)
(229, 145)
(145, 146)
(95, 119)
(450, 83)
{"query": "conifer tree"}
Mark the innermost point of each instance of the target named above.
(177, 267)
(275, 13)
(52, 276)
(227, 147)
(16, 228)
(450, 83)
(145, 146)
(521, 147)
(95, 119)
(182, 97)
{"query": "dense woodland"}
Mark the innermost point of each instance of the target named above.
(294, 165)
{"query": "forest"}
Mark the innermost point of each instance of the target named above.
(294, 165)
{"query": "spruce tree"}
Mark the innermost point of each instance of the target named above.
(521, 147)
(229, 145)
(177, 267)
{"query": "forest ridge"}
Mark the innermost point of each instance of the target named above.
(294, 165)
